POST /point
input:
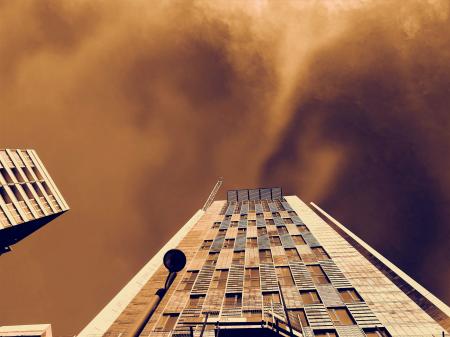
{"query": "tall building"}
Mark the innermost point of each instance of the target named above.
(28, 196)
(35, 330)
(264, 264)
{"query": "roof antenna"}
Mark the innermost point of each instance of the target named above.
(212, 195)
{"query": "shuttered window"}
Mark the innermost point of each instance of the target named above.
(284, 276)
(298, 240)
(317, 274)
(292, 254)
(229, 243)
(233, 300)
(252, 278)
(188, 280)
(310, 297)
(380, 332)
(340, 316)
(251, 242)
(269, 298)
(265, 256)
(206, 245)
(349, 295)
(275, 241)
(325, 334)
(320, 253)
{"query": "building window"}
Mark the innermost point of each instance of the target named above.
(265, 256)
(292, 254)
(328, 333)
(298, 240)
(282, 230)
(270, 222)
(212, 259)
(317, 274)
(216, 225)
(233, 300)
(229, 243)
(252, 242)
(167, 322)
(320, 253)
(269, 298)
(285, 276)
(188, 280)
(196, 301)
(287, 220)
(262, 231)
(206, 245)
(299, 317)
(219, 280)
(349, 295)
(275, 241)
(252, 278)
(292, 213)
(302, 228)
(377, 332)
(251, 223)
(310, 297)
(340, 316)
(234, 223)
(238, 257)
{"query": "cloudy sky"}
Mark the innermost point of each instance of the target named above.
(137, 107)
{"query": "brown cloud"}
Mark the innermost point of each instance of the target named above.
(136, 108)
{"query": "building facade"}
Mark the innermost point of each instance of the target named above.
(28, 196)
(263, 264)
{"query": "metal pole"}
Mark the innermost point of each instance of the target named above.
(286, 311)
(204, 324)
(140, 323)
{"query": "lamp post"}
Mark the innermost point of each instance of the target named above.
(174, 260)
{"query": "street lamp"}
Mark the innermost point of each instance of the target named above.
(174, 260)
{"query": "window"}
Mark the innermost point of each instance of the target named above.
(196, 301)
(275, 241)
(329, 333)
(292, 213)
(377, 332)
(269, 298)
(349, 295)
(320, 253)
(216, 225)
(238, 257)
(242, 230)
(282, 230)
(252, 242)
(317, 274)
(310, 297)
(212, 258)
(252, 278)
(167, 322)
(292, 254)
(265, 256)
(285, 276)
(233, 300)
(188, 280)
(206, 245)
(219, 280)
(251, 223)
(340, 316)
(287, 220)
(299, 316)
(229, 243)
(298, 240)
(302, 228)
(262, 231)
(269, 222)
(234, 223)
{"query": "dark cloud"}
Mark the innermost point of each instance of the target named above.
(137, 108)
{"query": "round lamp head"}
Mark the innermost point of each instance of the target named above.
(174, 260)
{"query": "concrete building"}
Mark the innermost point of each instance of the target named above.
(28, 196)
(264, 264)
(35, 330)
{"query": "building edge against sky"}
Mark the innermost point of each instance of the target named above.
(29, 198)
(388, 297)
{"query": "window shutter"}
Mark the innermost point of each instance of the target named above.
(203, 280)
(235, 282)
(311, 240)
(244, 209)
(263, 242)
(318, 317)
(239, 245)
(350, 331)
(336, 277)
(286, 206)
(268, 276)
(363, 316)
(286, 241)
(278, 221)
(330, 297)
(302, 278)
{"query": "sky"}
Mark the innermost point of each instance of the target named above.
(136, 108)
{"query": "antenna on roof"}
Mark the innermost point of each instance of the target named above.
(212, 195)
